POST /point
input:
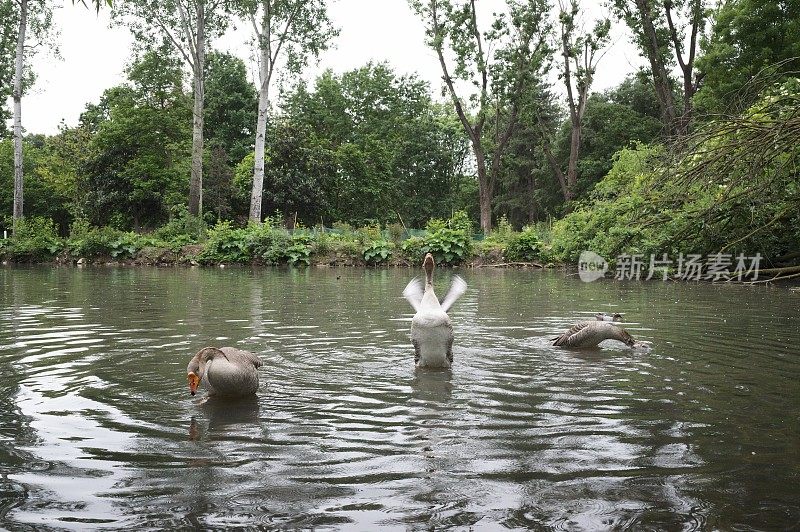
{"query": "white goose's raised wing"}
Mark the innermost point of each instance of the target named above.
(413, 293)
(457, 288)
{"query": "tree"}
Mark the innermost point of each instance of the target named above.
(749, 38)
(188, 26)
(290, 29)
(139, 149)
(37, 18)
(660, 36)
(499, 62)
(616, 119)
(9, 26)
(580, 52)
(230, 106)
(17, 96)
(396, 151)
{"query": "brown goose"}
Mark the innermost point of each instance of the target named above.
(228, 372)
(591, 333)
(604, 316)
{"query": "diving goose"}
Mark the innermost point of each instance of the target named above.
(604, 316)
(431, 330)
(228, 372)
(591, 333)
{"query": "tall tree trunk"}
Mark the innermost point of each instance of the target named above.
(484, 188)
(572, 165)
(196, 181)
(661, 80)
(17, 96)
(257, 193)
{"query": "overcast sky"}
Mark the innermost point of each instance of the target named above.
(93, 55)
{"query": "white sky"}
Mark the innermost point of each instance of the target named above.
(93, 56)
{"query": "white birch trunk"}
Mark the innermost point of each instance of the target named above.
(196, 181)
(17, 96)
(261, 131)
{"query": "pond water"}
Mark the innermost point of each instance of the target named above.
(98, 430)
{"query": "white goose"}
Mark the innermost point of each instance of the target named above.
(431, 330)
(229, 372)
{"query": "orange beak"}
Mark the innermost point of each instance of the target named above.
(194, 382)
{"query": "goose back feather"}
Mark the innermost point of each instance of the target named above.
(227, 371)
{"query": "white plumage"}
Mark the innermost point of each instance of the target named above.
(431, 329)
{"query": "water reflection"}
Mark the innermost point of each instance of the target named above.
(97, 429)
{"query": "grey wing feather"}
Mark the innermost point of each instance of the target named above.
(563, 339)
(239, 354)
(413, 293)
(457, 288)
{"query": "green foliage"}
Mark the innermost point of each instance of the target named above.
(393, 150)
(750, 39)
(140, 152)
(377, 252)
(34, 240)
(87, 241)
(299, 251)
(450, 242)
(225, 244)
(524, 246)
(182, 229)
(231, 105)
(732, 189)
(414, 248)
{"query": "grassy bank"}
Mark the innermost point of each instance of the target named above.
(187, 241)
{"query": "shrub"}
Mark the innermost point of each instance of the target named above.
(298, 251)
(396, 232)
(448, 246)
(524, 246)
(377, 252)
(368, 233)
(225, 244)
(35, 239)
(414, 248)
(87, 241)
(182, 227)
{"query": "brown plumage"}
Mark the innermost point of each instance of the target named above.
(591, 333)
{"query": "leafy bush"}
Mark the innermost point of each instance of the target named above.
(182, 227)
(524, 246)
(265, 242)
(368, 233)
(377, 252)
(449, 246)
(225, 244)
(35, 239)
(299, 251)
(87, 241)
(414, 249)
(396, 232)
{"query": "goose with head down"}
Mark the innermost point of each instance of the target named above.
(227, 371)
(590, 333)
(431, 329)
(604, 316)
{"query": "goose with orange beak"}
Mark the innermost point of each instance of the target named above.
(227, 371)
(431, 329)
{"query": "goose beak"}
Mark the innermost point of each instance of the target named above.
(194, 382)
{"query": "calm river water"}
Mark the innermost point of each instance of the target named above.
(98, 430)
